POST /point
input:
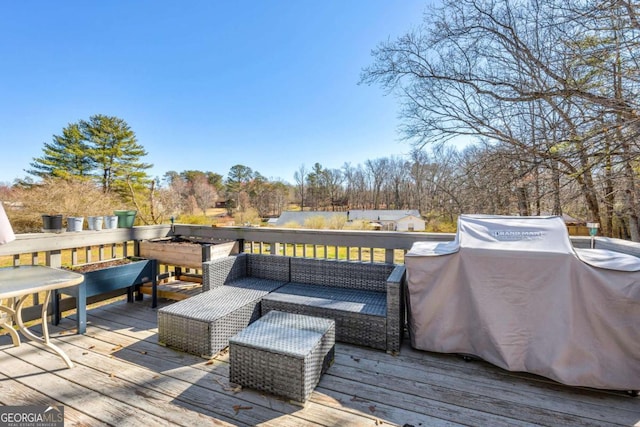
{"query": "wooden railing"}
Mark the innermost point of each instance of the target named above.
(373, 246)
(73, 248)
(79, 244)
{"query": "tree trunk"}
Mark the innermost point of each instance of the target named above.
(523, 203)
(609, 194)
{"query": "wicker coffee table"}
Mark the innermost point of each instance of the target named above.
(282, 353)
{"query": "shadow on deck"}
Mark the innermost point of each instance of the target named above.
(123, 377)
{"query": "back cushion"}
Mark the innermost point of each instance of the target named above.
(343, 274)
(273, 267)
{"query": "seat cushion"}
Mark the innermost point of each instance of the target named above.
(332, 298)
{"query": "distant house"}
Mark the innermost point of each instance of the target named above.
(288, 217)
(389, 220)
(411, 223)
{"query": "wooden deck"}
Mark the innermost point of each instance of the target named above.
(123, 377)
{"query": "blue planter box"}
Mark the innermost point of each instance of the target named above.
(130, 276)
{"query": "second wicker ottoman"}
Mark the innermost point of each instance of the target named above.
(203, 324)
(282, 353)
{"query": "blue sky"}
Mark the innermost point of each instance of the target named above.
(204, 85)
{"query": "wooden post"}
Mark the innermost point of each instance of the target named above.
(388, 256)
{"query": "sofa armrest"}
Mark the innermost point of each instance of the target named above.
(395, 308)
(220, 271)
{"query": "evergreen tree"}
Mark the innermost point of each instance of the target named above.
(237, 180)
(116, 153)
(67, 155)
(103, 148)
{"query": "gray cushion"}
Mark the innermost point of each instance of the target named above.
(333, 298)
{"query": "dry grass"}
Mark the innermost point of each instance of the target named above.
(59, 196)
(340, 252)
(81, 256)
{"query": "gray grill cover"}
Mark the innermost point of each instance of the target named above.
(514, 292)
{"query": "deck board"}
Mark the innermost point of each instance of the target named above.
(14, 393)
(175, 290)
(450, 378)
(123, 377)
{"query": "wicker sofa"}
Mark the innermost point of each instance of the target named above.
(365, 299)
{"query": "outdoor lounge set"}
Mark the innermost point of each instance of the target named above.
(512, 291)
(314, 303)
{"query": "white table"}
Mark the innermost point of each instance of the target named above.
(17, 284)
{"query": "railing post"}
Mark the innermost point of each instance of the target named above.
(275, 248)
(74, 256)
(389, 256)
(206, 252)
(54, 258)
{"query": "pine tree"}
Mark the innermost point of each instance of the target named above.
(68, 155)
(116, 153)
(102, 148)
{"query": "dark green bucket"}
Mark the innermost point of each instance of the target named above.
(125, 218)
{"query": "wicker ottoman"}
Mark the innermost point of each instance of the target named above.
(203, 324)
(282, 353)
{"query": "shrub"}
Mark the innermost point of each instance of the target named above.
(441, 226)
(249, 216)
(314, 222)
(68, 197)
(194, 219)
(292, 224)
(357, 225)
(337, 222)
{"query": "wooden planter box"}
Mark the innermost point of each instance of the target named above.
(184, 252)
(107, 276)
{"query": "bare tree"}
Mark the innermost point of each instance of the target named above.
(204, 193)
(332, 180)
(555, 83)
(300, 176)
(377, 171)
(396, 182)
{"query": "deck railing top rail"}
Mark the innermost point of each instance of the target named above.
(43, 242)
(387, 240)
